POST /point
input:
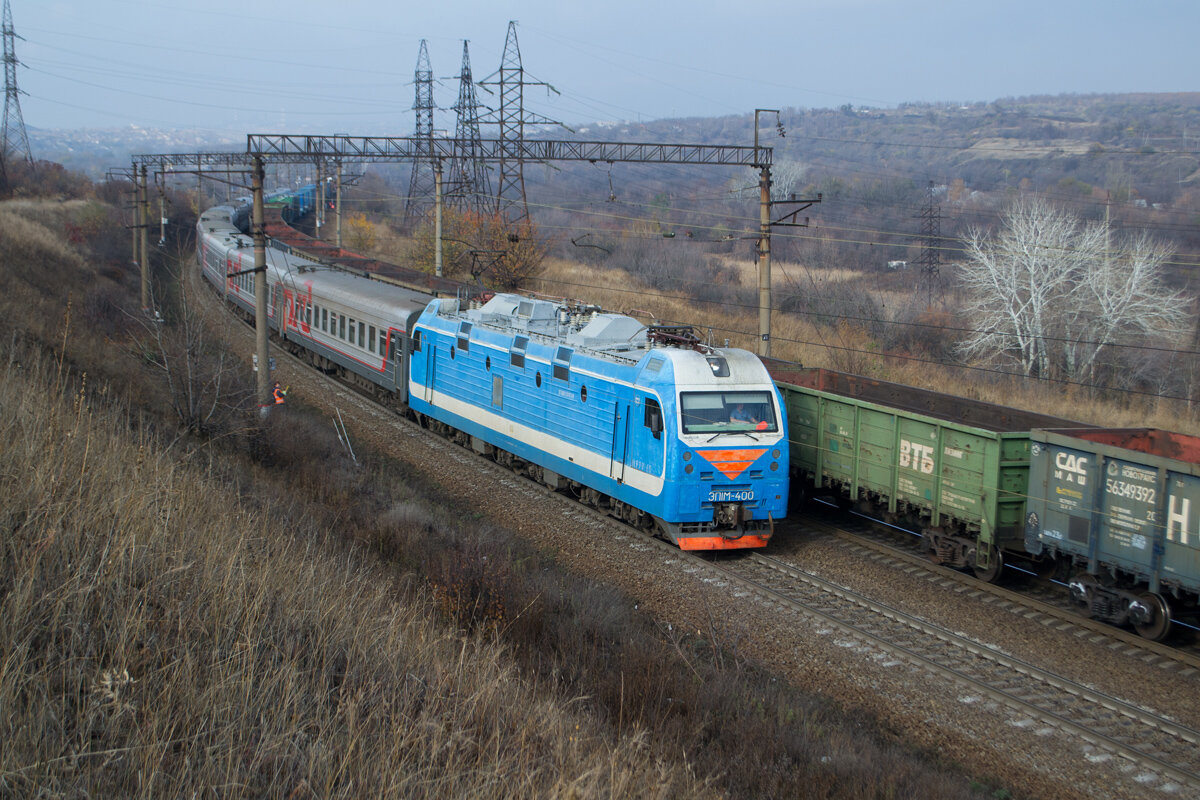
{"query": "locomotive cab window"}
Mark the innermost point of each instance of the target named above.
(464, 336)
(728, 412)
(416, 341)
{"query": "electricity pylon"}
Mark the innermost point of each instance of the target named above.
(421, 185)
(512, 119)
(14, 139)
(469, 186)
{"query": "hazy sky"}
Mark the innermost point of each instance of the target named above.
(347, 67)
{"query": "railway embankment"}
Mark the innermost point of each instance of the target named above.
(241, 607)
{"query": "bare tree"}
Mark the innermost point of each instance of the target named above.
(1121, 300)
(201, 380)
(1050, 295)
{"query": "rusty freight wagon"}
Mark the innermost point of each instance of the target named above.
(956, 469)
(1119, 511)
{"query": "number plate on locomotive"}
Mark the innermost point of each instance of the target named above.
(730, 496)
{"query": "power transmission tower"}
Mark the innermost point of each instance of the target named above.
(930, 260)
(422, 183)
(512, 119)
(14, 138)
(469, 186)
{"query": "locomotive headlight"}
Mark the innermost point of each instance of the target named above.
(688, 469)
(687, 455)
(775, 454)
(774, 466)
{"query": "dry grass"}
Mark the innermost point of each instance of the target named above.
(161, 638)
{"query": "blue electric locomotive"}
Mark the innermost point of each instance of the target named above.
(644, 423)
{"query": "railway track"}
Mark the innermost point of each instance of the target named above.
(1152, 741)
(1049, 607)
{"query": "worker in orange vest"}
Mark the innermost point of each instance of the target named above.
(279, 393)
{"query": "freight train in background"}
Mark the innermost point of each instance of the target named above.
(648, 424)
(645, 424)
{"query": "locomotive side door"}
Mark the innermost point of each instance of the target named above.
(620, 441)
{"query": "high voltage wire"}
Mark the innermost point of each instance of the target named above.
(873, 353)
(872, 320)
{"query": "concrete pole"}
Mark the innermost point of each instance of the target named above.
(338, 202)
(162, 210)
(764, 263)
(135, 213)
(144, 239)
(260, 286)
(319, 200)
(437, 217)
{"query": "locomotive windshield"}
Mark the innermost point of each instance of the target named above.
(727, 412)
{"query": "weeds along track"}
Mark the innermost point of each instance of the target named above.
(1150, 740)
(1037, 603)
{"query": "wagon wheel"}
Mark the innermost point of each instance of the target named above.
(990, 573)
(1160, 618)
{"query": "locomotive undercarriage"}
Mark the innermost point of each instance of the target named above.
(552, 480)
(732, 521)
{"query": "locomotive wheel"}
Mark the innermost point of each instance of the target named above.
(990, 573)
(1159, 625)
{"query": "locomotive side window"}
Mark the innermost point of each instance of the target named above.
(517, 359)
(464, 336)
(416, 341)
(562, 364)
(654, 418)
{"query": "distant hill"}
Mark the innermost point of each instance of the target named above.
(1135, 145)
(1136, 156)
(93, 151)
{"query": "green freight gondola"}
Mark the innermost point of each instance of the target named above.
(955, 468)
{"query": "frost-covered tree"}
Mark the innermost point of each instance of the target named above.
(1054, 295)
